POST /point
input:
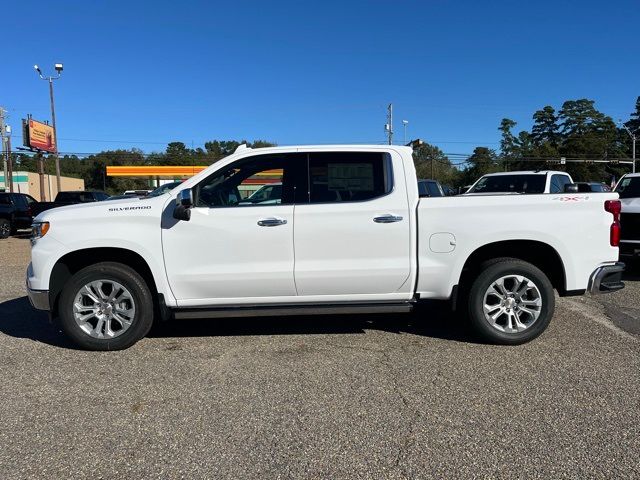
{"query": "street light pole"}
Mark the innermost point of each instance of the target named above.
(404, 124)
(50, 79)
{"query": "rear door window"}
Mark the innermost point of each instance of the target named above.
(349, 176)
(558, 182)
(434, 189)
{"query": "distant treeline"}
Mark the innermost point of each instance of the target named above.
(576, 131)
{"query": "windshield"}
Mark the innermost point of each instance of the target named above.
(629, 187)
(533, 183)
(162, 189)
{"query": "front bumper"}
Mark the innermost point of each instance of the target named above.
(607, 278)
(38, 299)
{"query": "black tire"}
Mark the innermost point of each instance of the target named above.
(494, 270)
(125, 276)
(5, 228)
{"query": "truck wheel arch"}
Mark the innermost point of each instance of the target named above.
(72, 262)
(540, 254)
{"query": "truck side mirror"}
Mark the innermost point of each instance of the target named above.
(184, 202)
(185, 198)
(571, 188)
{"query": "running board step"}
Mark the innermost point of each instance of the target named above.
(281, 310)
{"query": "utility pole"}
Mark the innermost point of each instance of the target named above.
(633, 145)
(50, 79)
(40, 157)
(4, 147)
(388, 127)
(634, 137)
(9, 160)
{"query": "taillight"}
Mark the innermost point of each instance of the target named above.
(614, 234)
(614, 207)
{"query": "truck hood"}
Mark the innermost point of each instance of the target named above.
(101, 209)
(630, 205)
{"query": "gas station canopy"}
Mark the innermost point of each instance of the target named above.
(169, 171)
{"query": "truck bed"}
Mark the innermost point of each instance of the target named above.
(450, 229)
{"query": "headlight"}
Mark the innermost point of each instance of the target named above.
(39, 230)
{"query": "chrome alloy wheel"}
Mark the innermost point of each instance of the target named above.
(5, 229)
(512, 304)
(104, 309)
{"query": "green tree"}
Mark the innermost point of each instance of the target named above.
(483, 160)
(587, 134)
(431, 162)
(509, 147)
(178, 154)
(633, 123)
(217, 149)
(545, 127)
(95, 176)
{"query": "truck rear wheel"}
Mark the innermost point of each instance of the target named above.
(106, 306)
(5, 228)
(510, 302)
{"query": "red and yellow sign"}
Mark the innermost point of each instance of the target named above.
(172, 171)
(41, 136)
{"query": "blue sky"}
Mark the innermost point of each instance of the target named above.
(143, 73)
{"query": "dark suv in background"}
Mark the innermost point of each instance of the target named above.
(69, 198)
(15, 212)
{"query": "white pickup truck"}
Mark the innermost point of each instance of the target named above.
(629, 190)
(527, 182)
(348, 235)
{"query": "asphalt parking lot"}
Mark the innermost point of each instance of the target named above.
(405, 396)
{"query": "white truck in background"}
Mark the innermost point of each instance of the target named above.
(628, 187)
(523, 182)
(348, 235)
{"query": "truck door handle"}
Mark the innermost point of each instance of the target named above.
(271, 222)
(388, 219)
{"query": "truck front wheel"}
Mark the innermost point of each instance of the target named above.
(106, 306)
(510, 302)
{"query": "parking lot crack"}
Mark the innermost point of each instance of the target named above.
(407, 440)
